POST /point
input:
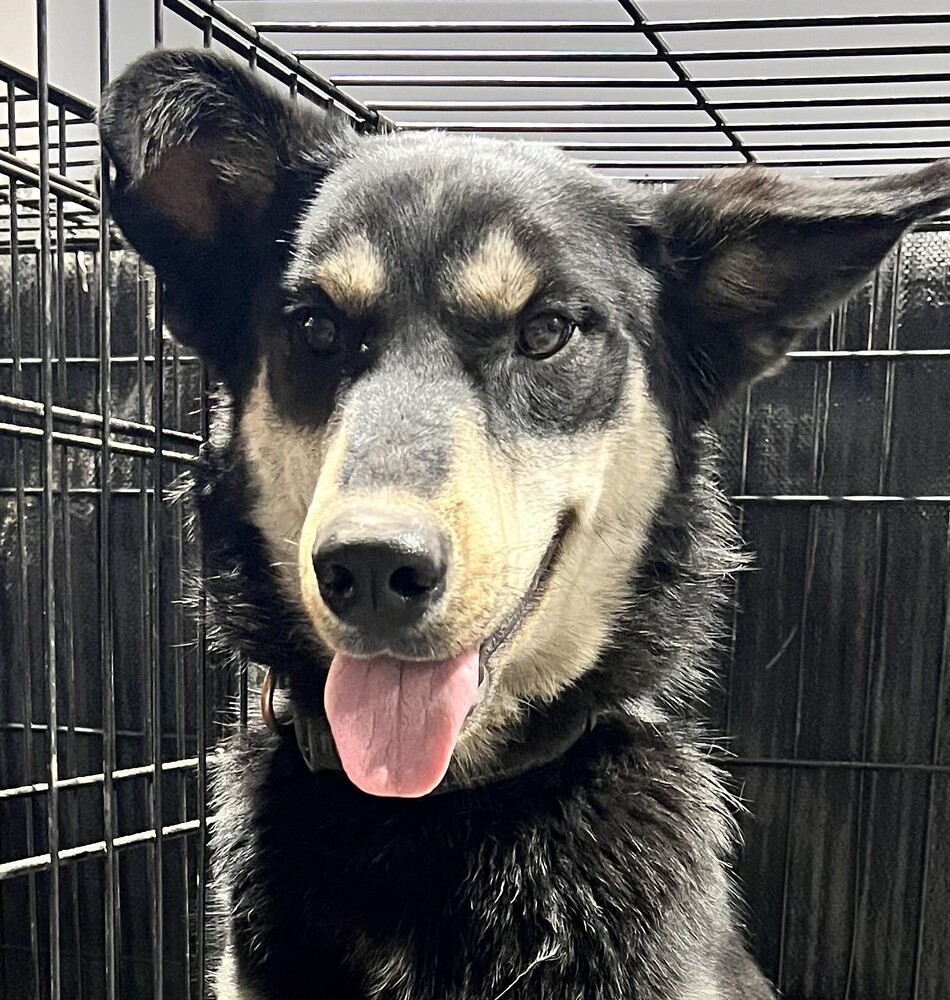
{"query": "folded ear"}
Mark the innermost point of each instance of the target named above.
(210, 168)
(749, 259)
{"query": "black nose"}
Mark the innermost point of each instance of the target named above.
(380, 575)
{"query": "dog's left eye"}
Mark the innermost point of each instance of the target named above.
(544, 335)
(319, 331)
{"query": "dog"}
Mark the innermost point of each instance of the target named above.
(460, 502)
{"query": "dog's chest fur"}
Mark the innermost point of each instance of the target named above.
(597, 876)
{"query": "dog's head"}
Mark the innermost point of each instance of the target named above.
(460, 368)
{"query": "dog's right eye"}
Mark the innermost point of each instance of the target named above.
(318, 330)
(544, 335)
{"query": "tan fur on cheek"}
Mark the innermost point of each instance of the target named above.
(325, 501)
(353, 275)
(284, 462)
(497, 280)
(483, 508)
(616, 482)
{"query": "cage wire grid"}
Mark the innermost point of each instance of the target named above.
(835, 692)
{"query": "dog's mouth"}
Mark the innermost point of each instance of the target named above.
(396, 722)
(529, 601)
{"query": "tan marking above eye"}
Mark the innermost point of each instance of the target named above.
(497, 279)
(352, 275)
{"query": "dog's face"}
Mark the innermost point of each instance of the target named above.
(461, 368)
(454, 446)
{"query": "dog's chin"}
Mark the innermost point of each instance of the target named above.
(396, 716)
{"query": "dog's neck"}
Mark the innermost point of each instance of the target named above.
(545, 734)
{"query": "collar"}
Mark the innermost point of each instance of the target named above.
(546, 734)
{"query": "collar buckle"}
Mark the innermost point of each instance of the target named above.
(268, 687)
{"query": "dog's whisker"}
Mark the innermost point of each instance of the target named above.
(543, 957)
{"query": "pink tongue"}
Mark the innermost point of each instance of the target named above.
(395, 722)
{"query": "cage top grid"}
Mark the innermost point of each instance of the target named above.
(635, 90)
(640, 90)
(73, 156)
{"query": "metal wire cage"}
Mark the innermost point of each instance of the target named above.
(835, 693)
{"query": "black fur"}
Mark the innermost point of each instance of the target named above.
(601, 873)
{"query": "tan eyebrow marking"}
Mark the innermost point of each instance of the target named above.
(497, 279)
(352, 275)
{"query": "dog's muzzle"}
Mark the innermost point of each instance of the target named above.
(396, 706)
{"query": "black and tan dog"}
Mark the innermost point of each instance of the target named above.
(460, 504)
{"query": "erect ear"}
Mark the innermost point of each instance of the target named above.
(749, 259)
(210, 168)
